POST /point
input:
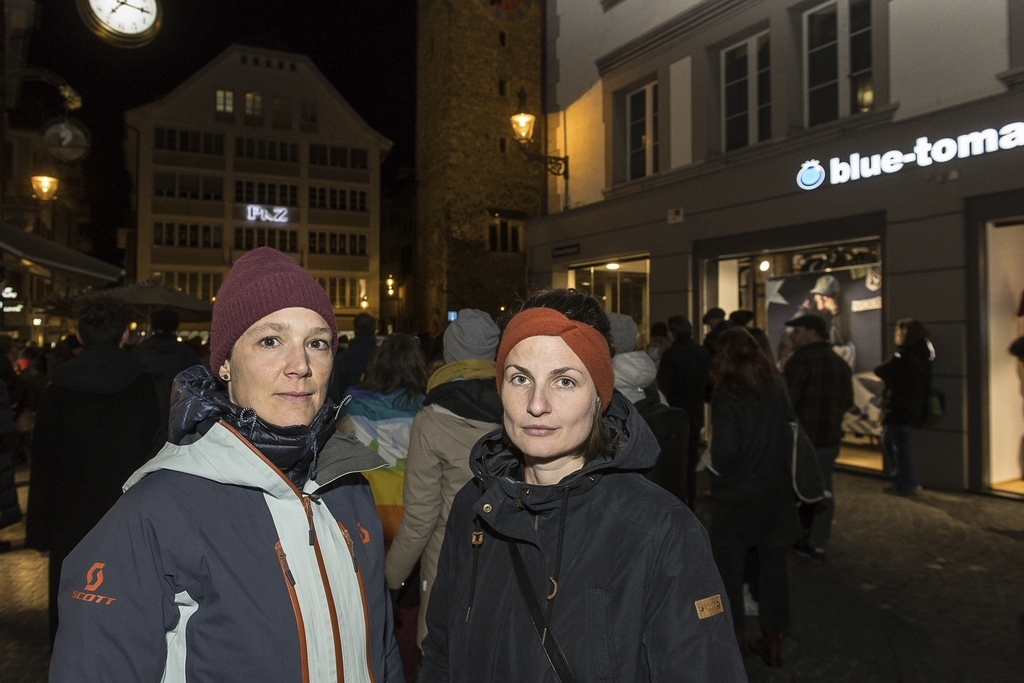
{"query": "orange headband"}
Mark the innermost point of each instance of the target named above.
(586, 342)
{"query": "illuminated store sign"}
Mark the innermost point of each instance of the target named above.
(924, 153)
(270, 214)
(17, 308)
(9, 293)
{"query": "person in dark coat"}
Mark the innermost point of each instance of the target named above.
(683, 377)
(162, 354)
(98, 421)
(820, 387)
(752, 499)
(907, 376)
(716, 323)
(10, 511)
(620, 570)
(351, 364)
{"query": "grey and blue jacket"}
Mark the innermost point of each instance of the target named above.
(241, 552)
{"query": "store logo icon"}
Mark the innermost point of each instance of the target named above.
(811, 175)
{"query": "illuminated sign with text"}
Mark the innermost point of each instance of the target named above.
(270, 214)
(924, 153)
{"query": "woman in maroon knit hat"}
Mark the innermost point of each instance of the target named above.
(561, 561)
(249, 548)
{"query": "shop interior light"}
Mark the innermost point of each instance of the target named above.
(364, 303)
(764, 266)
(37, 321)
(612, 266)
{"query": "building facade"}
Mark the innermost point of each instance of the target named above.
(475, 189)
(742, 153)
(257, 149)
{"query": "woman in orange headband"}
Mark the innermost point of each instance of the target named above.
(561, 561)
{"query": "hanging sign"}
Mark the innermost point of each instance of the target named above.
(924, 153)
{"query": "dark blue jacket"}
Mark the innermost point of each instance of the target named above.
(216, 566)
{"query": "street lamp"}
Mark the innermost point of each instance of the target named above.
(390, 283)
(522, 131)
(44, 187)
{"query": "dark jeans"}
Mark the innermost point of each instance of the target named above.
(773, 590)
(824, 510)
(898, 458)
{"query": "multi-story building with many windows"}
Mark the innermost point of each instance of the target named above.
(257, 149)
(774, 154)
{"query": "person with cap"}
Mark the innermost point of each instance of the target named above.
(161, 353)
(461, 406)
(248, 549)
(824, 302)
(716, 323)
(560, 560)
(820, 387)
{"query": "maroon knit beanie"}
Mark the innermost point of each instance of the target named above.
(261, 282)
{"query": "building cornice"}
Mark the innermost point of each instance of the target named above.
(671, 31)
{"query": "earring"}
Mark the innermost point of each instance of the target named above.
(224, 376)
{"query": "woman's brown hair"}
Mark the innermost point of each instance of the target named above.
(396, 364)
(909, 332)
(740, 366)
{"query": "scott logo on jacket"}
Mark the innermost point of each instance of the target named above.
(93, 580)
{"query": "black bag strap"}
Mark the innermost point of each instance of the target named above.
(547, 639)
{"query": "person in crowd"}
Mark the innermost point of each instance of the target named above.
(659, 341)
(820, 387)
(350, 364)
(907, 376)
(379, 414)
(557, 488)
(460, 408)
(98, 421)
(716, 323)
(10, 511)
(248, 549)
(163, 355)
(744, 317)
(634, 378)
(684, 375)
(752, 500)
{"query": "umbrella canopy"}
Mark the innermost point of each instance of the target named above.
(150, 295)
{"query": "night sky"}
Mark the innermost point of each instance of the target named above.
(366, 48)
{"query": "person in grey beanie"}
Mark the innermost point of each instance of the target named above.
(461, 406)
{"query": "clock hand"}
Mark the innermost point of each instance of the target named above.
(125, 3)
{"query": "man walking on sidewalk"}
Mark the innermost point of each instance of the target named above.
(820, 387)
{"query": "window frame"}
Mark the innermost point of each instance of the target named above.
(844, 76)
(752, 76)
(224, 101)
(651, 142)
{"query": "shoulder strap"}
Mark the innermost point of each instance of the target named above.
(547, 639)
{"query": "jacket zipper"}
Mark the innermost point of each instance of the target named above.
(289, 580)
(362, 595)
(325, 579)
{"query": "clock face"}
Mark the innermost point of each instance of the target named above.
(125, 23)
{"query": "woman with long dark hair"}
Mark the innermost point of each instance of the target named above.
(752, 499)
(561, 561)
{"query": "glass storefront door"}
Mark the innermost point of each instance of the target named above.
(1005, 285)
(621, 287)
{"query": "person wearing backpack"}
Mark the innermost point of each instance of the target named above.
(908, 378)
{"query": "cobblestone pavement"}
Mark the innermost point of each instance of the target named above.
(24, 634)
(922, 589)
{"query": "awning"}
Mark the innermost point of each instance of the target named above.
(76, 265)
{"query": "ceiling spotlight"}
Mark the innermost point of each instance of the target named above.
(612, 266)
(764, 266)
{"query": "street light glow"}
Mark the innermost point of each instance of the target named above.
(44, 187)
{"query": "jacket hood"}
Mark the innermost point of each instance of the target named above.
(105, 370)
(634, 372)
(198, 403)
(635, 449)
(473, 399)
